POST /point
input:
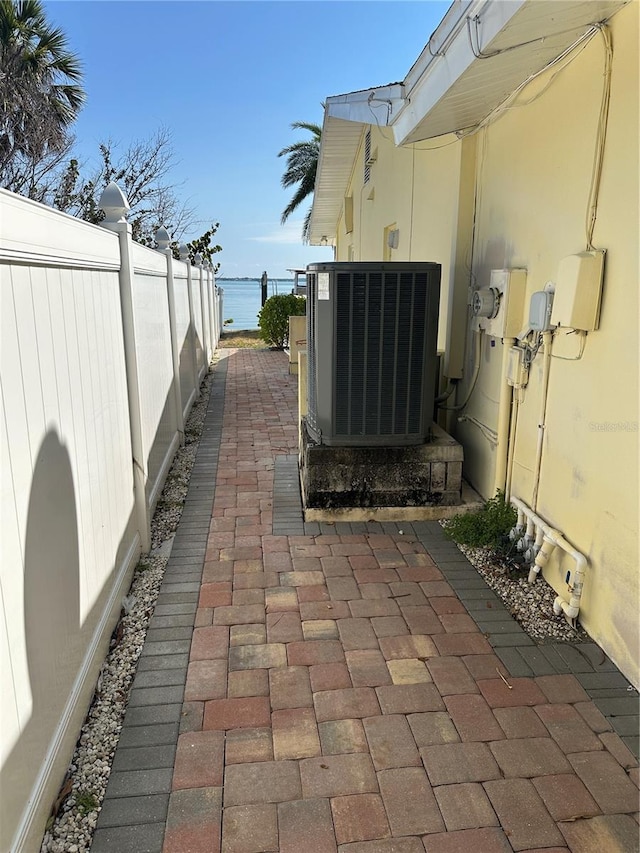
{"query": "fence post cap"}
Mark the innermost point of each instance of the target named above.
(114, 203)
(163, 238)
(184, 252)
(198, 259)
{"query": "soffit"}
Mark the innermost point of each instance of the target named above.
(340, 143)
(448, 88)
(457, 90)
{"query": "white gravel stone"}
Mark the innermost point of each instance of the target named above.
(530, 604)
(71, 831)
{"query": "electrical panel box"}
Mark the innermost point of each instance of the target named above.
(498, 308)
(540, 308)
(517, 370)
(576, 303)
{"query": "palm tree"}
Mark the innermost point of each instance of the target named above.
(40, 93)
(302, 163)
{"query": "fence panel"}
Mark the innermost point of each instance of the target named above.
(72, 361)
(185, 335)
(197, 321)
(68, 535)
(155, 366)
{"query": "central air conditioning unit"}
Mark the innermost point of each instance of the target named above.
(371, 352)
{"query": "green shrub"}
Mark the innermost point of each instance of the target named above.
(487, 527)
(273, 317)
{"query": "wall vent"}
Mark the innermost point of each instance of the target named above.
(367, 157)
(371, 342)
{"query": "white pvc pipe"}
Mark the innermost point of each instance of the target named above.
(525, 542)
(554, 539)
(533, 550)
(542, 557)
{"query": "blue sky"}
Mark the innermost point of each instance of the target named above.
(227, 79)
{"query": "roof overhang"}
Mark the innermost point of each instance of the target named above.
(480, 54)
(345, 117)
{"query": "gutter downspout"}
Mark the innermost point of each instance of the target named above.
(552, 539)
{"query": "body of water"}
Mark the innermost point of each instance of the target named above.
(242, 300)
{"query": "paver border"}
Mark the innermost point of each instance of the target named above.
(136, 803)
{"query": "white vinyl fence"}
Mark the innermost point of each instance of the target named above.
(103, 347)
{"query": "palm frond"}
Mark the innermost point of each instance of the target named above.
(40, 91)
(301, 168)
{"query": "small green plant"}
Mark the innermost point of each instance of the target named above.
(273, 317)
(487, 527)
(86, 802)
(228, 322)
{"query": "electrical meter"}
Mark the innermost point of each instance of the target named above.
(497, 309)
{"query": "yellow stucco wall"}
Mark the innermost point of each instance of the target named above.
(531, 168)
(403, 183)
(534, 172)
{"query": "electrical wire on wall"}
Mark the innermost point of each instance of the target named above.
(476, 372)
(601, 136)
(437, 53)
(477, 50)
(507, 104)
(530, 350)
(583, 338)
(469, 267)
(569, 54)
(490, 434)
(563, 60)
(384, 102)
(389, 107)
(559, 64)
(480, 54)
(457, 137)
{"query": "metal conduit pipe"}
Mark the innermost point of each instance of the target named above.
(515, 405)
(552, 538)
(547, 339)
(504, 417)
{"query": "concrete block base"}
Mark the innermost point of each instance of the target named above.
(418, 477)
(471, 500)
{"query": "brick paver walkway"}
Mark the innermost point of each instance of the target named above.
(352, 688)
